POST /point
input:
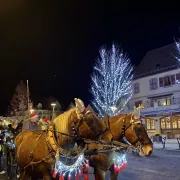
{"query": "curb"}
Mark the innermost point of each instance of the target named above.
(161, 149)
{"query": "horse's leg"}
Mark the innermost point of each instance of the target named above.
(24, 175)
(113, 175)
(47, 176)
(99, 174)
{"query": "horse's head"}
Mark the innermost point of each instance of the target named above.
(76, 124)
(91, 126)
(96, 127)
(135, 132)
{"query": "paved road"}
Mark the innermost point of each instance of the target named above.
(162, 165)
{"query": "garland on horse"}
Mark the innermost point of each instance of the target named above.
(36, 151)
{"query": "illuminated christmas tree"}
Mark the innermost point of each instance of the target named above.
(111, 81)
(178, 50)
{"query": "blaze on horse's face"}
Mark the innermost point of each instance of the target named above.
(137, 136)
(98, 127)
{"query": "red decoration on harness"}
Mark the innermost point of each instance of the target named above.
(54, 174)
(61, 177)
(77, 177)
(85, 176)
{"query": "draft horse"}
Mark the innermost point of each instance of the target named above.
(121, 126)
(35, 152)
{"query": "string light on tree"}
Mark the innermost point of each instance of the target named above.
(178, 55)
(111, 81)
(178, 50)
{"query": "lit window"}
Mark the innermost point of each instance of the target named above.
(168, 123)
(174, 123)
(178, 122)
(150, 124)
(163, 124)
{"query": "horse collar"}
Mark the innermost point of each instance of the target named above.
(51, 139)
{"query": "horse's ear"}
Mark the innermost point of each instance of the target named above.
(79, 104)
(106, 117)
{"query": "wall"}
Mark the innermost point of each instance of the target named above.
(145, 91)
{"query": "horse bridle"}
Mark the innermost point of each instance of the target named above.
(138, 141)
(76, 126)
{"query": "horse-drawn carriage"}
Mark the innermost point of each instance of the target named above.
(72, 136)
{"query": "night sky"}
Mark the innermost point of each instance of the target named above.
(54, 44)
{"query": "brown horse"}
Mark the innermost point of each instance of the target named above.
(134, 132)
(35, 152)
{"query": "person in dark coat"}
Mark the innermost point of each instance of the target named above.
(1, 154)
(31, 124)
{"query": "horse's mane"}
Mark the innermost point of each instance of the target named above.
(118, 118)
(62, 121)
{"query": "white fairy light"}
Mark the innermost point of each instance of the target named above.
(120, 161)
(74, 168)
(178, 50)
(111, 81)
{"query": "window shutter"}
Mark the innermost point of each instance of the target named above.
(173, 79)
(178, 76)
(154, 83)
(161, 82)
(150, 84)
(136, 88)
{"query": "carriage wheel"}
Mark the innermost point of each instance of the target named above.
(9, 165)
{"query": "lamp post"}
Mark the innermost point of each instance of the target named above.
(31, 111)
(53, 105)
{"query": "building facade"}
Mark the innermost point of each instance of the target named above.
(157, 87)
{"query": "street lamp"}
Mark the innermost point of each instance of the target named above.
(53, 105)
(31, 111)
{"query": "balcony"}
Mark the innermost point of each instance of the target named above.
(158, 107)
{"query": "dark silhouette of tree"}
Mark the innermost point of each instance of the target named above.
(19, 99)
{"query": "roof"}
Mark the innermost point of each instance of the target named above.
(157, 61)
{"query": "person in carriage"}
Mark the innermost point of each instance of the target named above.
(32, 123)
(44, 123)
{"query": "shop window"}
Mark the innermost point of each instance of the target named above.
(163, 124)
(150, 124)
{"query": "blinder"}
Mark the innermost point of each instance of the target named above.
(137, 130)
(76, 126)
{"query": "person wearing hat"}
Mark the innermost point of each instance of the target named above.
(31, 124)
(45, 123)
